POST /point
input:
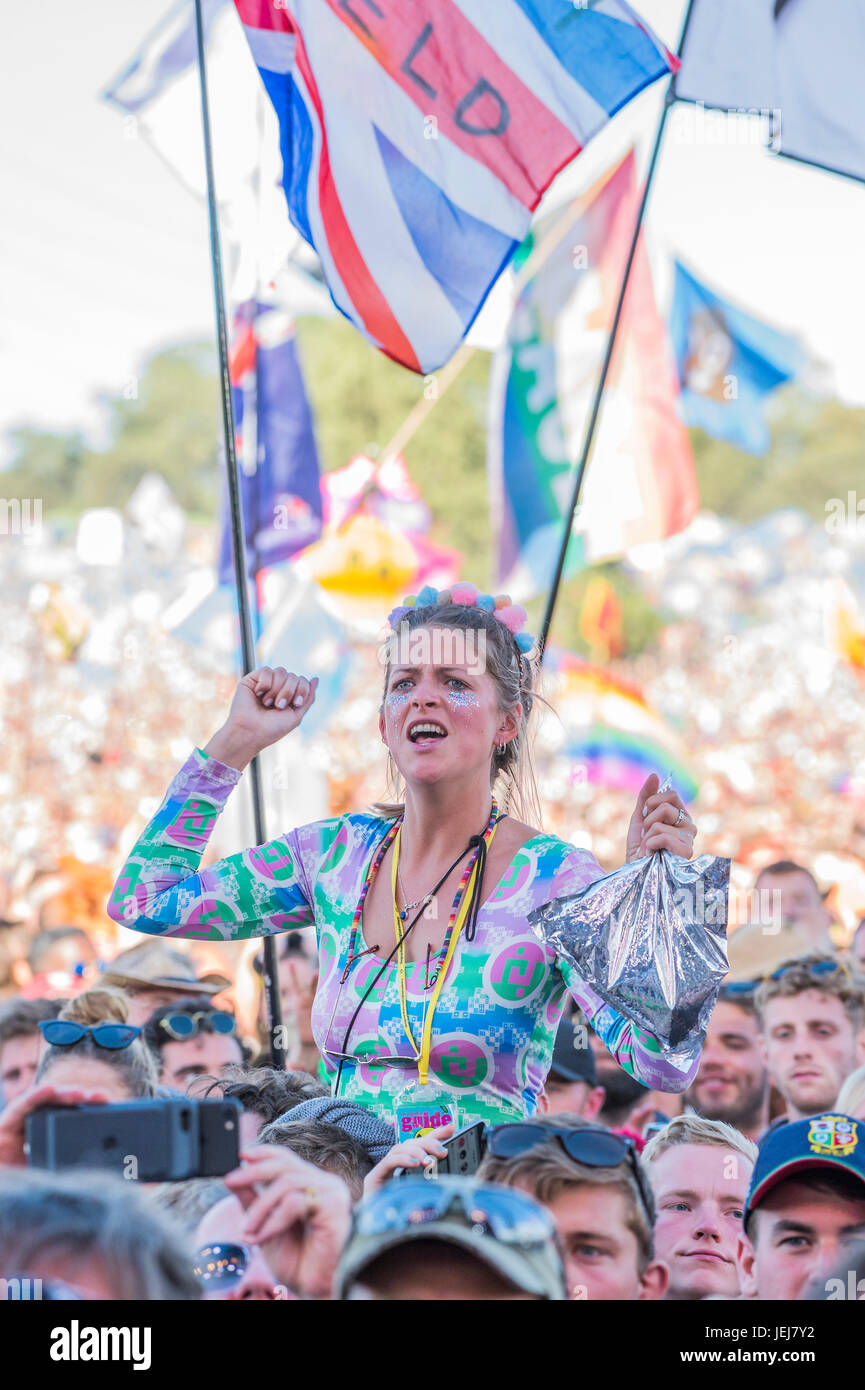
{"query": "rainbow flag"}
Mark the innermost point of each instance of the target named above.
(614, 736)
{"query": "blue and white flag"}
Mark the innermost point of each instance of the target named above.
(728, 363)
(159, 94)
(417, 140)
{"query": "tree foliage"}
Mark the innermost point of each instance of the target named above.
(169, 422)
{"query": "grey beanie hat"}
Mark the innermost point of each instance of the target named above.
(375, 1135)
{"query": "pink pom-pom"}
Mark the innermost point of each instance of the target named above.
(465, 593)
(513, 617)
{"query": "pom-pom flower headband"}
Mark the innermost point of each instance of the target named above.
(510, 615)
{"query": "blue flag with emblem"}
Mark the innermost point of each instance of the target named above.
(729, 363)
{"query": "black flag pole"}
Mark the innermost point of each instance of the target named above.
(238, 546)
(597, 400)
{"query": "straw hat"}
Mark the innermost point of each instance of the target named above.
(154, 965)
(753, 951)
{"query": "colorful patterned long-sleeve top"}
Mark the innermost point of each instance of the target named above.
(504, 992)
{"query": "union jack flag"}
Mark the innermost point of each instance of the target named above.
(417, 140)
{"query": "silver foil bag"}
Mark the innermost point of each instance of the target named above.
(651, 938)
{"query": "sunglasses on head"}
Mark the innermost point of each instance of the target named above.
(222, 1265)
(64, 1032)
(742, 988)
(593, 1146)
(181, 1026)
(507, 1215)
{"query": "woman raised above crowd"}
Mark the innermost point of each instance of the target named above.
(434, 989)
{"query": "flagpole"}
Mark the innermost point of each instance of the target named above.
(451, 370)
(597, 401)
(247, 641)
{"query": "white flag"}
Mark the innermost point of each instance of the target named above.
(821, 83)
(729, 55)
(159, 90)
(802, 61)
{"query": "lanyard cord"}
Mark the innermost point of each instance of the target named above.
(482, 842)
(465, 906)
(368, 991)
(478, 842)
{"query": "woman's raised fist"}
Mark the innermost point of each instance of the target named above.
(267, 705)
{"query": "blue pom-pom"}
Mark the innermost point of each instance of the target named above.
(427, 597)
(487, 602)
(525, 641)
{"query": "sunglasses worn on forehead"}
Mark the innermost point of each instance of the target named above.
(593, 1146)
(505, 1214)
(181, 1026)
(64, 1032)
(742, 988)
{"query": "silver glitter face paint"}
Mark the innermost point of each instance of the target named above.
(461, 698)
(397, 703)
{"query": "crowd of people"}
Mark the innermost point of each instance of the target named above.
(749, 1185)
(605, 1172)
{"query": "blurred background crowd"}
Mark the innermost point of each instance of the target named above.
(710, 625)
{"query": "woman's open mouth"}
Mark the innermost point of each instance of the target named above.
(423, 733)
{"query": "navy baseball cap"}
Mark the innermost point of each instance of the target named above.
(822, 1141)
(573, 1058)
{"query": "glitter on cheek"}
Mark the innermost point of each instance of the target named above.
(458, 699)
(397, 703)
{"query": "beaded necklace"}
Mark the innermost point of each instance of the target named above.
(479, 843)
(375, 865)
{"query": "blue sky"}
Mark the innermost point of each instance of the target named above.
(104, 255)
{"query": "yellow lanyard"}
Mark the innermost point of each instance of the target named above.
(422, 1053)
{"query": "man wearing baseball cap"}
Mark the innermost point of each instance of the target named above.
(450, 1238)
(805, 1207)
(572, 1082)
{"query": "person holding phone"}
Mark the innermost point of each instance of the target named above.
(429, 972)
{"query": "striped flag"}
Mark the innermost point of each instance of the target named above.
(276, 451)
(640, 484)
(417, 140)
(158, 92)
